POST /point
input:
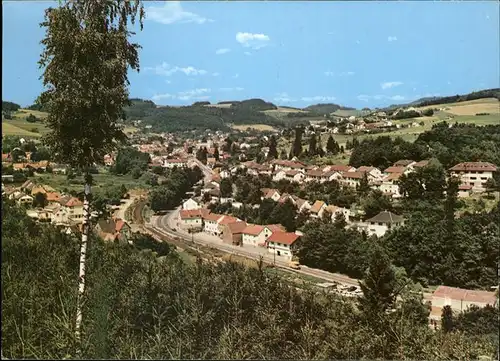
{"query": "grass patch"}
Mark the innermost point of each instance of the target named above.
(24, 113)
(101, 180)
(10, 129)
(259, 127)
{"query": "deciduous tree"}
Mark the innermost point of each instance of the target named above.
(86, 57)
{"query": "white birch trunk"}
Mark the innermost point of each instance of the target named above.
(81, 273)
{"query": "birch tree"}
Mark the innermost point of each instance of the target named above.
(85, 60)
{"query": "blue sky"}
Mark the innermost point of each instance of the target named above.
(360, 54)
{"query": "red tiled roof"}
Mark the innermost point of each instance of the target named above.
(53, 196)
(275, 228)
(253, 229)
(190, 213)
(314, 173)
(283, 238)
(340, 167)
(393, 176)
(228, 219)
(316, 207)
(395, 170)
(483, 297)
(73, 202)
(474, 167)
(353, 175)
(214, 217)
(236, 227)
(422, 163)
(365, 168)
(403, 163)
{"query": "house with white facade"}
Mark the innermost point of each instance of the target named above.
(296, 176)
(352, 179)
(474, 174)
(191, 219)
(317, 209)
(390, 185)
(254, 235)
(459, 300)
(281, 243)
(190, 204)
(335, 211)
(211, 223)
(383, 222)
(270, 193)
(302, 204)
(171, 163)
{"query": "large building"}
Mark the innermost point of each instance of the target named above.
(474, 174)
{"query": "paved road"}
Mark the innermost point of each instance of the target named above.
(168, 222)
(120, 213)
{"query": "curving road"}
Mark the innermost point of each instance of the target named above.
(167, 223)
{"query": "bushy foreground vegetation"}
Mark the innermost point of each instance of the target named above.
(139, 305)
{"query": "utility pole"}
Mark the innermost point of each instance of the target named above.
(274, 248)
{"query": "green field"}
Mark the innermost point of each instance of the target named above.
(102, 180)
(10, 127)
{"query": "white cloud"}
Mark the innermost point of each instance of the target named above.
(222, 51)
(172, 12)
(345, 73)
(391, 38)
(247, 53)
(255, 41)
(283, 98)
(166, 69)
(366, 98)
(390, 84)
(235, 76)
(193, 94)
(215, 74)
(318, 98)
(358, 42)
(168, 81)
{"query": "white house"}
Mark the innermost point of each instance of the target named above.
(171, 163)
(383, 222)
(281, 243)
(475, 174)
(352, 179)
(254, 235)
(390, 186)
(270, 194)
(459, 300)
(190, 204)
(317, 209)
(296, 176)
(225, 174)
(191, 219)
(334, 210)
(211, 224)
(302, 204)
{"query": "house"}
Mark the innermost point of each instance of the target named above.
(302, 204)
(281, 243)
(464, 190)
(22, 198)
(253, 235)
(171, 163)
(211, 223)
(390, 185)
(7, 178)
(339, 168)
(317, 209)
(114, 229)
(371, 172)
(395, 169)
(352, 179)
(53, 197)
(383, 222)
(404, 163)
(71, 210)
(269, 193)
(459, 300)
(190, 204)
(335, 211)
(232, 232)
(296, 176)
(225, 220)
(475, 174)
(191, 219)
